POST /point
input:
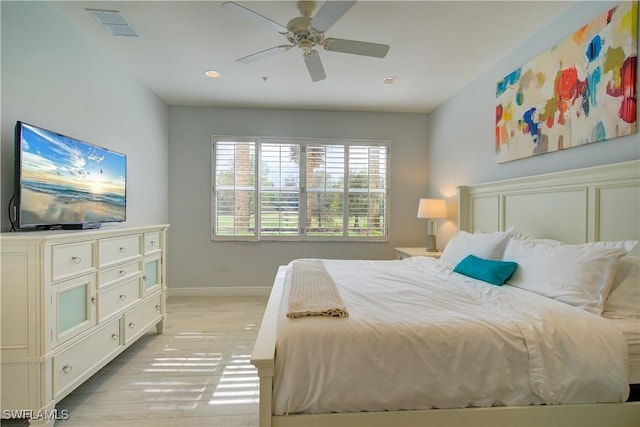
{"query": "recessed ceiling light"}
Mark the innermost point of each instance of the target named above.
(390, 80)
(211, 73)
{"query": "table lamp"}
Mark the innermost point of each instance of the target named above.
(432, 209)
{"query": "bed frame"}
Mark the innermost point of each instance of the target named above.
(576, 206)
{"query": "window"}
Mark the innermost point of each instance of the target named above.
(293, 189)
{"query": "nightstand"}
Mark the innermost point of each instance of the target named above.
(403, 253)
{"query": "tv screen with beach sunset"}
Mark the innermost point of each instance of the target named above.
(63, 181)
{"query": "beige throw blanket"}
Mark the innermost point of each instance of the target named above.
(313, 291)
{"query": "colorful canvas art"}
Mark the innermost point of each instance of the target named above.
(583, 90)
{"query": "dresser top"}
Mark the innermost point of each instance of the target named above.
(104, 231)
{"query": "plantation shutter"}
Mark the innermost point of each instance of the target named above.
(234, 199)
(280, 189)
(367, 190)
(325, 190)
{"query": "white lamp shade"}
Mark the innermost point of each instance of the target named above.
(432, 208)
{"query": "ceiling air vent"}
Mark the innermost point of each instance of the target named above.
(113, 22)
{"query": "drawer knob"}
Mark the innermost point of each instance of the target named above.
(93, 300)
(67, 369)
(123, 297)
(123, 249)
(114, 337)
(158, 307)
(76, 259)
(152, 243)
(132, 325)
(122, 273)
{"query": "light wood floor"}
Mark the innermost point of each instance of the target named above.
(197, 373)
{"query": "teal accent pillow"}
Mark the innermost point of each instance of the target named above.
(487, 270)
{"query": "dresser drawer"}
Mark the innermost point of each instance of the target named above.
(78, 359)
(71, 259)
(117, 298)
(152, 243)
(118, 249)
(138, 320)
(122, 272)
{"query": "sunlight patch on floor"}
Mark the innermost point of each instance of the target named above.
(239, 383)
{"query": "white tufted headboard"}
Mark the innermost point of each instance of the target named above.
(575, 206)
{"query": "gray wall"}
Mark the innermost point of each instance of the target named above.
(461, 131)
(56, 78)
(196, 261)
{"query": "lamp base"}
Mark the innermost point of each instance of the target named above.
(431, 243)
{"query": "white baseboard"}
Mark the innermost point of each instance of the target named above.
(221, 291)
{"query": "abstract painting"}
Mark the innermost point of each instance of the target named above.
(582, 90)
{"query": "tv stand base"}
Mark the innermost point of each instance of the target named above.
(81, 226)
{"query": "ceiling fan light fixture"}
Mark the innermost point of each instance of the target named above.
(212, 74)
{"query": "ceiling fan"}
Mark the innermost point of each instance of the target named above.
(306, 32)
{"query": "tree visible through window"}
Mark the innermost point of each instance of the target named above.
(285, 189)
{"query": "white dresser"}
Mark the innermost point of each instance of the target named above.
(71, 302)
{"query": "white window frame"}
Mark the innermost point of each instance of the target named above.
(302, 204)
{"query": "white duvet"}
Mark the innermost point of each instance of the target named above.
(420, 336)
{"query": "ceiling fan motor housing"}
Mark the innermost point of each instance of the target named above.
(301, 31)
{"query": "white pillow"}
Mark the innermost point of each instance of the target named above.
(624, 299)
(482, 245)
(580, 275)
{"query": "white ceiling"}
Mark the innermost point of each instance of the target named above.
(437, 47)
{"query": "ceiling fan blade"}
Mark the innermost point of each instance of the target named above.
(264, 53)
(356, 47)
(255, 16)
(329, 14)
(314, 65)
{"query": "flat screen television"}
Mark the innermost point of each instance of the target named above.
(62, 182)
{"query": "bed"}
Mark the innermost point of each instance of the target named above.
(528, 367)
